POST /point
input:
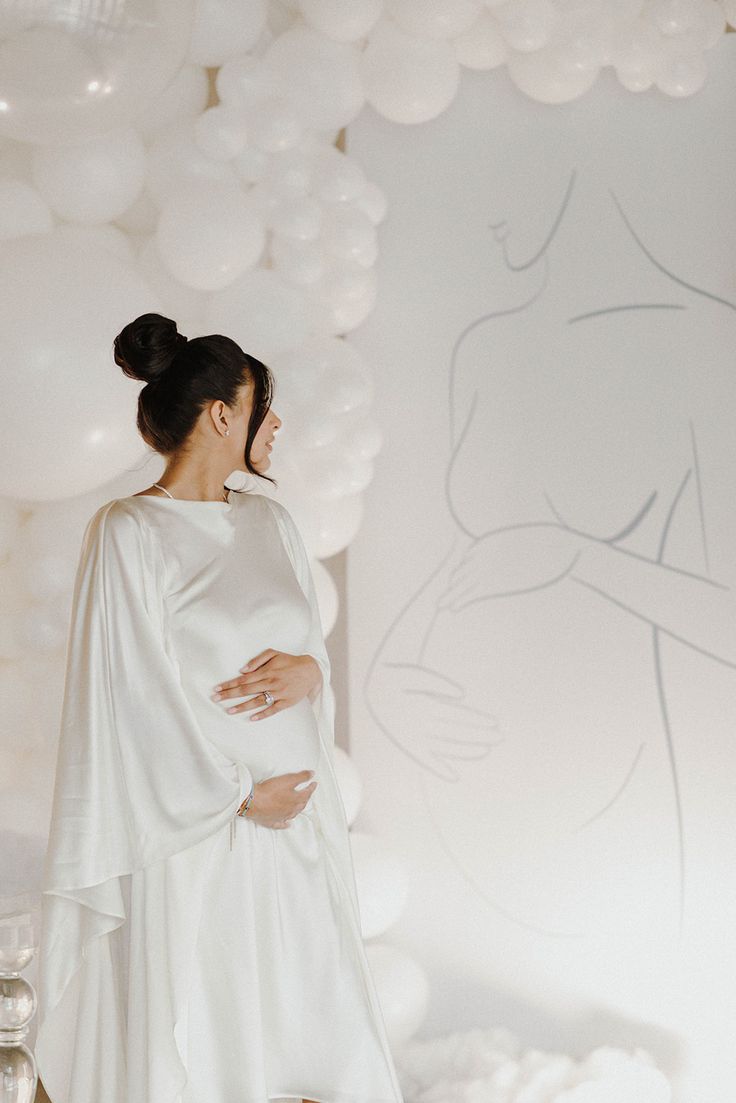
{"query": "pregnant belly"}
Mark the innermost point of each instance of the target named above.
(284, 742)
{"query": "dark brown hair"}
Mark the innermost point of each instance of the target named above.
(183, 376)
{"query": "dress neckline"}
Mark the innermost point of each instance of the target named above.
(179, 501)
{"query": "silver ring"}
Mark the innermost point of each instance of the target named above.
(269, 698)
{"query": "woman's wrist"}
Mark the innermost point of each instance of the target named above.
(243, 809)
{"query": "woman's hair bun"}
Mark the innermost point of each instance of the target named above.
(147, 347)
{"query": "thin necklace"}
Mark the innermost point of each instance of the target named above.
(158, 485)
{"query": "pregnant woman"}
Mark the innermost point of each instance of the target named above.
(201, 934)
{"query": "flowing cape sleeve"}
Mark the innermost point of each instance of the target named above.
(136, 782)
(326, 797)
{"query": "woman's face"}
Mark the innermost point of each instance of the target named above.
(260, 452)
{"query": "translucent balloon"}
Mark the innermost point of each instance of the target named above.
(381, 881)
(336, 177)
(78, 238)
(274, 125)
(290, 171)
(299, 262)
(140, 218)
(527, 24)
(251, 164)
(10, 522)
(681, 70)
(372, 201)
(22, 210)
(225, 28)
(261, 312)
(299, 217)
(349, 233)
(177, 299)
(63, 82)
(636, 54)
(440, 19)
(174, 158)
(15, 160)
(336, 523)
(403, 990)
(243, 81)
(320, 77)
(60, 309)
(207, 236)
(341, 21)
(347, 294)
(184, 97)
(408, 79)
(483, 46)
(220, 132)
(549, 77)
(94, 181)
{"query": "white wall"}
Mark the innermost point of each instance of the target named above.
(555, 351)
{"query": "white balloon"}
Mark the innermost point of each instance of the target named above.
(681, 69)
(63, 81)
(184, 97)
(636, 55)
(381, 882)
(320, 77)
(526, 24)
(348, 233)
(220, 132)
(251, 164)
(225, 28)
(438, 19)
(336, 177)
(673, 16)
(207, 236)
(22, 210)
(483, 46)
(408, 79)
(60, 309)
(177, 299)
(403, 991)
(15, 160)
(299, 262)
(11, 517)
(94, 181)
(140, 218)
(243, 81)
(337, 523)
(290, 171)
(299, 217)
(341, 21)
(347, 293)
(548, 77)
(174, 158)
(373, 202)
(107, 236)
(265, 315)
(274, 125)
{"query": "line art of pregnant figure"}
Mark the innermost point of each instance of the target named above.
(590, 455)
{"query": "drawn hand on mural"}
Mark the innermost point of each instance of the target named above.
(511, 561)
(422, 712)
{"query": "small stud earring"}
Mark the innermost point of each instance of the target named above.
(227, 432)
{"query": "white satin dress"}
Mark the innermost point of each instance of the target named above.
(188, 955)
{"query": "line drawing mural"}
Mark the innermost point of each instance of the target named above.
(588, 493)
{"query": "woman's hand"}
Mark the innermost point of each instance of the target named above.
(287, 678)
(512, 561)
(276, 800)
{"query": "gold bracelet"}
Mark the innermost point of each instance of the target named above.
(247, 802)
